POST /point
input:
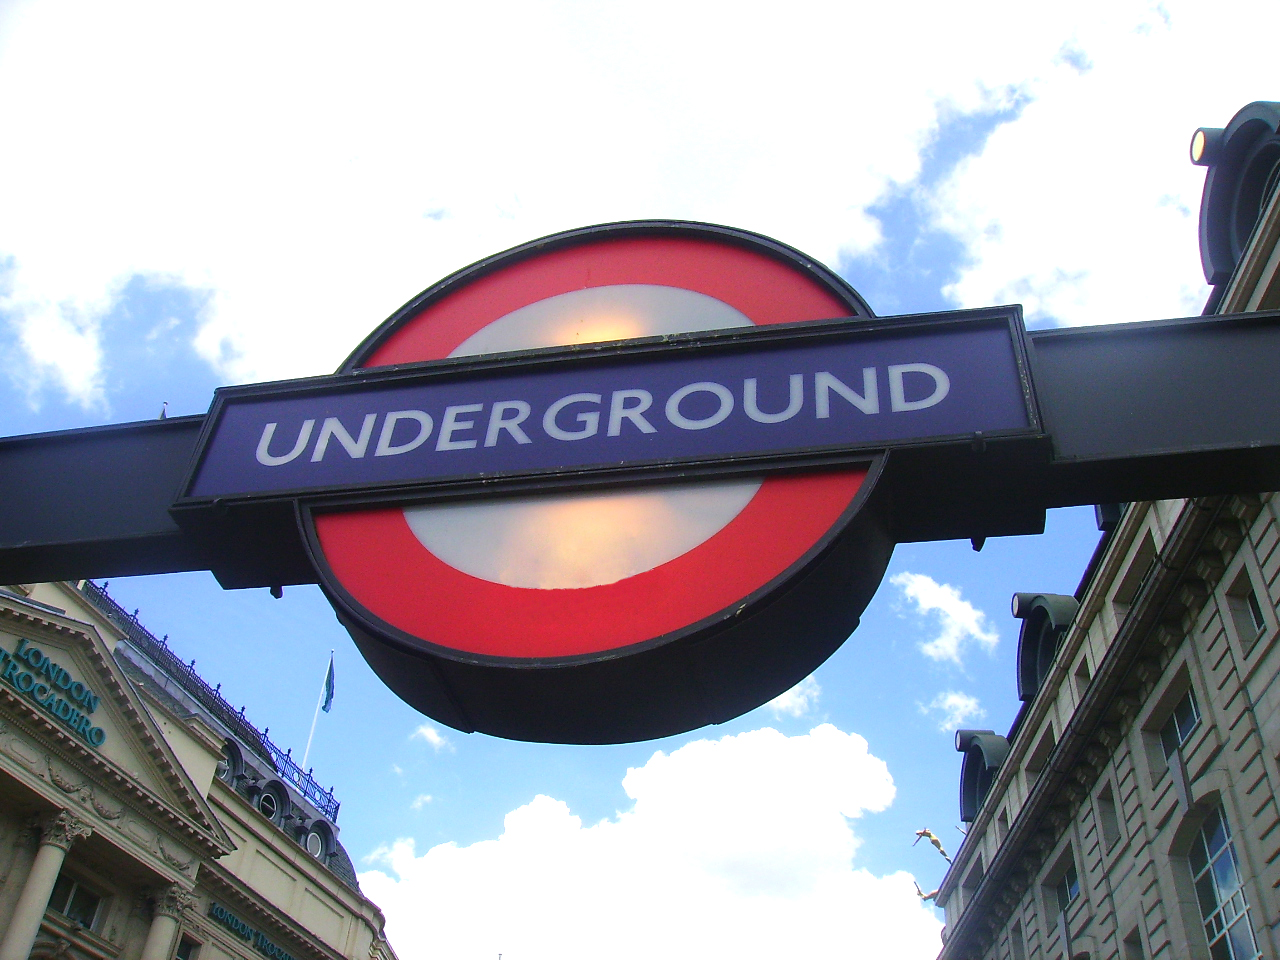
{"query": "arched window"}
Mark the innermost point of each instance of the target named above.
(273, 801)
(231, 765)
(1224, 909)
(268, 806)
(317, 839)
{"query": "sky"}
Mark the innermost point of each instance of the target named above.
(198, 195)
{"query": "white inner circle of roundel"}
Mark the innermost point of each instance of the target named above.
(586, 540)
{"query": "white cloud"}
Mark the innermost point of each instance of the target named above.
(959, 621)
(1085, 208)
(397, 770)
(736, 847)
(955, 709)
(420, 801)
(429, 734)
(310, 170)
(797, 701)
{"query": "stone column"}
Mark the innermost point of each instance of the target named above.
(56, 837)
(167, 909)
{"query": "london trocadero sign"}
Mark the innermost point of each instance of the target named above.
(629, 480)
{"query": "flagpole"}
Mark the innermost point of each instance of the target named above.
(324, 686)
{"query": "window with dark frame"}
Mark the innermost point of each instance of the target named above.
(226, 765)
(75, 901)
(188, 949)
(1182, 721)
(1017, 946)
(1068, 887)
(1132, 945)
(267, 805)
(1215, 870)
(315, 844)
(1245, 611)
(1255, 612)
(1108, 818)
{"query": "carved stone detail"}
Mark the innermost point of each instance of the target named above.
(63, 830)
(171, 901)
(176, 862)
(81, 791)
(61, 782)
(140, 831)
(103, 810)
(56, 949)
(21, 751)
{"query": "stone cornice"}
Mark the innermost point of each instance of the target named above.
(246, 818)
(236, 895)
(1102, 702)
(1043, 704)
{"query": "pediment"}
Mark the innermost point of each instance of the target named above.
(58, 679)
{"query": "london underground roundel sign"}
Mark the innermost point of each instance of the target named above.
(620, 614)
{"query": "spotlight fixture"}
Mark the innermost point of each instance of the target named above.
(1205, 144)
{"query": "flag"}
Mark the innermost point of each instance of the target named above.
(328, 687)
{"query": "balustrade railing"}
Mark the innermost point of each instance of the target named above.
(212, 700)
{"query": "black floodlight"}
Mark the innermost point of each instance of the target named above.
(1205, 144)
(984, 752)
(1045, 618)
(1244, 172)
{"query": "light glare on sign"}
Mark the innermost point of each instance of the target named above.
(586, 540)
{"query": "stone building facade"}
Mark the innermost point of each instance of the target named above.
(1131, 811)
(141, 817)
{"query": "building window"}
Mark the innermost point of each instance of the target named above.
(75, 901)
(188, 949)
(1246, 611)
(229, 765)
(1067, 888)
(1108, 819)
(1040, 754)
(1219, 889)
(1017, 946)
(1132, 945)
(1177, 729)
(1255, 612)
(267, 805)
(315, 844)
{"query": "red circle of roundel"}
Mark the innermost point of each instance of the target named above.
(377, 559)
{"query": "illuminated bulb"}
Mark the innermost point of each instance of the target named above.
(1205, 143)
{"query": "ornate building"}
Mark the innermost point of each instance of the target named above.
(1131, 810)
(142, 817)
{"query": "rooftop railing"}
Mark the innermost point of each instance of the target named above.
(212, 700)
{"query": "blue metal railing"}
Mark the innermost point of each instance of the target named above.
(212, 700)
(302, 779)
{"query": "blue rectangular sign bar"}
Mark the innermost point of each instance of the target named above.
(769, 394)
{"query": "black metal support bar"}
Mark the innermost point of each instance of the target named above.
(1143, 411)
(1171, 408)
(95, 502)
